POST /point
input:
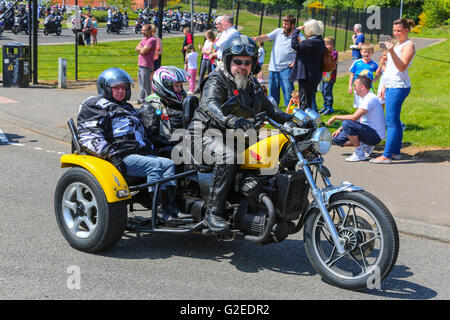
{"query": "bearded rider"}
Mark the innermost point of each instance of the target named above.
(235, 76)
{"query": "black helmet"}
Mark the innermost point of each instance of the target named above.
(111, 77)
(241, 45)
(163, 80)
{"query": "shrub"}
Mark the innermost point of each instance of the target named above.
(437, 11)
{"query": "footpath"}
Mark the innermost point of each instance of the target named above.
(416, 190)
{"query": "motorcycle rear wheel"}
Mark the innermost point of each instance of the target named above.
(371, 241)
(87, 221)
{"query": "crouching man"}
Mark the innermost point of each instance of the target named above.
(363, 129)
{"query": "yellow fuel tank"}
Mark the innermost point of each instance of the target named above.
(265, 153)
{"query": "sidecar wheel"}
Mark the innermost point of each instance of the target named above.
(87, 221)
(371, 241)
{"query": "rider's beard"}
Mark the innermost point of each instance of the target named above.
(241, 80)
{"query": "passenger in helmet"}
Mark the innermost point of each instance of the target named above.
(163, 111)
(110, 128)
(233, 77)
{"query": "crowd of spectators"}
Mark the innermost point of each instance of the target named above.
(296, 58)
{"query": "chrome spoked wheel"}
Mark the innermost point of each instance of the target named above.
(80, 209)
(363, 241)
(370, 240)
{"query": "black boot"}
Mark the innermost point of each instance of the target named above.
(171, 215)
(221, 184)
(216, 223)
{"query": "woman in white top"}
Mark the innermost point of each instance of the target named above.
(397, 86)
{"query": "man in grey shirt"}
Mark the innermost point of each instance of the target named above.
(281, 59)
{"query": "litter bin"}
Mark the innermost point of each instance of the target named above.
(16, 64)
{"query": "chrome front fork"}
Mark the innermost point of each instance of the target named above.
(318, 195)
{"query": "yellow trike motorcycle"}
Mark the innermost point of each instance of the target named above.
(350, 236)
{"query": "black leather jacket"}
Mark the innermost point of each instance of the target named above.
(220, 87)
(153, 115)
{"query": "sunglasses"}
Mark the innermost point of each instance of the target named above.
(239, 62)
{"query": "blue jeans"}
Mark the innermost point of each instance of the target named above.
(394, 133)
(327, 93)
(281, 79)
(153, 167)
(365, 133)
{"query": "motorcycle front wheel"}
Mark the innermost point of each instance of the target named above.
(371, 241)
(85, 218)
(15, 29)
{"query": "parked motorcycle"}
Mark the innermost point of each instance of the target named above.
(114, 25)
(167, 25)
(52, 25)
(138, 25)
(350, 237)
(20, 24)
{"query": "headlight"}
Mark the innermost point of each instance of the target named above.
(321, 140)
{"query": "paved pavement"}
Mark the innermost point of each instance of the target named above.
(415, 190)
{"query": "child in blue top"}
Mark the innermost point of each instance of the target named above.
(363, 67)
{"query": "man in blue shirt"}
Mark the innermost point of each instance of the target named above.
(358, 40)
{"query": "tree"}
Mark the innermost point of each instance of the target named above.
(437, 11)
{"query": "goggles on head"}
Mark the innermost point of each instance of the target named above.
(238, 49)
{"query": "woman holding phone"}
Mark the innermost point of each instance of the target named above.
(396, 87)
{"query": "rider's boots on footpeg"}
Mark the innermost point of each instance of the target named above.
(216, 223)
(171, 215)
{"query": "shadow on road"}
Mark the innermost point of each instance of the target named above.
(395, 286)
(288, 257)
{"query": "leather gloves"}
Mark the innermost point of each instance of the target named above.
(241, 123)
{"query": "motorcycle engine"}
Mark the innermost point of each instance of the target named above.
(249, 219)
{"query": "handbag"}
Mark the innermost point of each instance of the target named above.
(328, 64)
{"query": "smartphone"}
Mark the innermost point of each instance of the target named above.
(382, 45)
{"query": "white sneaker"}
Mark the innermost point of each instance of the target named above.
(354, 157)
(368, 150)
